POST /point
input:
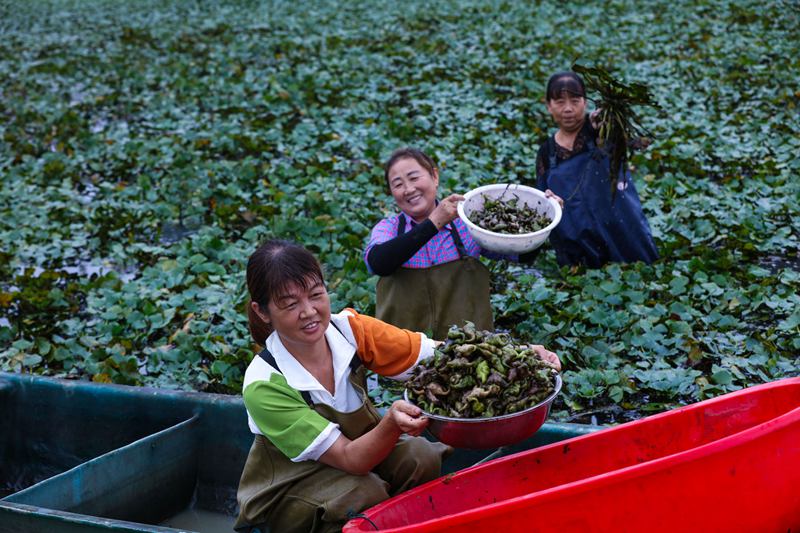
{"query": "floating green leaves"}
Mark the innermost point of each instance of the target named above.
(146, 148)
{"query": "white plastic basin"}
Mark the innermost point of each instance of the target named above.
(505, 243)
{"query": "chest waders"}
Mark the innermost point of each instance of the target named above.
(434, 298)
(595, 228)
(278, 495)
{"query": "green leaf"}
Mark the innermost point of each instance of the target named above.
(791, 322)
(31, 359)
(722, 377)
(615, 393)
(482, 370)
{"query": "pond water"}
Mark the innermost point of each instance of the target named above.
(172, 233)
(776, 263)
(202, 521)
(86, 269)
(602, 415)
(89, 192)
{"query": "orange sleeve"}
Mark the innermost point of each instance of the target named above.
(385, 349)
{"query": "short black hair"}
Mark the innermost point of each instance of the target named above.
(271, 269)
(408, 152)
(565, 82)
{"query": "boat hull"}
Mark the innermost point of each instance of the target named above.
(727, 464)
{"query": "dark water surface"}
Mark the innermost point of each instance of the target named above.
(201, 521)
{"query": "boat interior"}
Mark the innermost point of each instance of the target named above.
(78, 456)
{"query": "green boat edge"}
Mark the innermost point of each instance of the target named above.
(81, 457)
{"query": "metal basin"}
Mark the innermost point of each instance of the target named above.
(491, 432)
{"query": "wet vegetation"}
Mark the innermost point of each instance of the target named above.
(619, 126)
(479, 374)
(508, 215)
(147, 147)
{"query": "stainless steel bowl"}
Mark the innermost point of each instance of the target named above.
(491, 432)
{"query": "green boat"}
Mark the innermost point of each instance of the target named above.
(84, 457)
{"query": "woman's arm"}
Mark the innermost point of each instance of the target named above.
(390, 351)
(385, 258)
(361, 455)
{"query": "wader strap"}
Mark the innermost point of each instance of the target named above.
(551, 152)
(551, 145)
(270, 360)
(265, 354)
(462, 252)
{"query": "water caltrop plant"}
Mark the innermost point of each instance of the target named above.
(508, 215)
(619, 125)
(478, 374)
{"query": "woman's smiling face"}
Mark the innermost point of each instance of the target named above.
(301, 315)
(413, 188)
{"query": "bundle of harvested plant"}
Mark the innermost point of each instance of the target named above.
(620, 127)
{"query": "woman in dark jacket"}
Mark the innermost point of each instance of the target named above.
(596, 227)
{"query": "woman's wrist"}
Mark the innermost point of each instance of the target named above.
(436, 221)
(388, 427)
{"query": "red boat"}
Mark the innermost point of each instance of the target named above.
(731, 463)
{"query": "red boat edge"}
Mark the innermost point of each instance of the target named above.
(728, 463)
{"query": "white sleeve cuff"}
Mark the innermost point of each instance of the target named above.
(320, 445)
